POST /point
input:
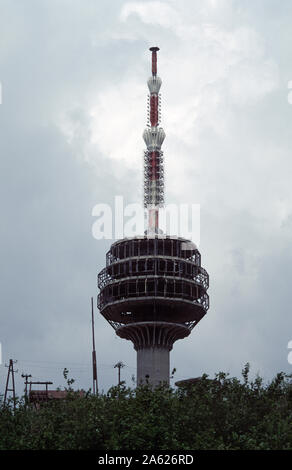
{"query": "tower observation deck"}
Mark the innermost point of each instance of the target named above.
(153, 290)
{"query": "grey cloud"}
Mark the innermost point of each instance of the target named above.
(55, 60)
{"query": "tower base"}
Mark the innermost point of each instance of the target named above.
(153, 340)
(153, 366)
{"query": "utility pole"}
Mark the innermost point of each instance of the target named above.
(94, 366)
(119, 365)
(26, 376)
(7, 389)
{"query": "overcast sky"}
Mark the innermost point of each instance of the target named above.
(73, 110)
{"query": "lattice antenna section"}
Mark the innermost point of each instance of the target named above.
(156, 106)
(153, 157)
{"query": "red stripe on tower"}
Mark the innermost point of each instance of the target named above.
(154, 110)
(154, 59)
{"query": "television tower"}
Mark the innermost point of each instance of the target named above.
(153, 290)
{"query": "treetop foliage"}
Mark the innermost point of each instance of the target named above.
(220, 413)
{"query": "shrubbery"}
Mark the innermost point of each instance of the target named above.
(223, 413)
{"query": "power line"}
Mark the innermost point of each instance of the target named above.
(82, 364)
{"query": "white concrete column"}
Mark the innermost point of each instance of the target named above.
(154, 363)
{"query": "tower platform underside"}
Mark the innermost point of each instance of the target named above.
(153, 292)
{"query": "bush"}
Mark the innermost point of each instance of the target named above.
(222, 413)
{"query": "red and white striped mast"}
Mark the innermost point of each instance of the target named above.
(153, 156)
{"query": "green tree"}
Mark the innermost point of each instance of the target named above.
(219, 413)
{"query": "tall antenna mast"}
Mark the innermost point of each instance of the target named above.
(94, 366)
(153, 156)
